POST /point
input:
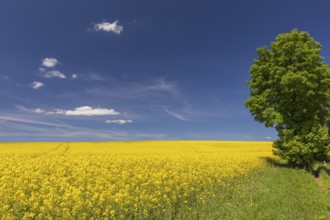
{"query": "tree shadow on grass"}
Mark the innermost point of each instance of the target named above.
(314, 171)
(276, 162)
(317, 171)
(322, 166)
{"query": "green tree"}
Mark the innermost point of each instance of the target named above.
(289, 91)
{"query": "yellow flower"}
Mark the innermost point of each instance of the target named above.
(118, 180)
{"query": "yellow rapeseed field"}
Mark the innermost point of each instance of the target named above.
(118, 180)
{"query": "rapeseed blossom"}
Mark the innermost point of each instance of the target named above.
(118, 180)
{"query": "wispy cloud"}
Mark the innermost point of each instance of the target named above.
(4, 77)
(55, 134)
(92, 77)
(37, 85)
(30, 121)
(49, 62)
(42, 69)
(24, 109)
(74, 76)
(84, 111)
(119, 121)
(135, 90)
(157, 97)
(175, 115)
(109, 27)
(188, 112)
(55, 74)
(30, 130)
(165, 86)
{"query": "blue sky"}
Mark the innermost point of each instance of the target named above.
(129, 70)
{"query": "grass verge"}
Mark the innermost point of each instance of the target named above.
(275, 192)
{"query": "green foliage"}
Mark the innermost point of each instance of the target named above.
(290, 91)
(303, 148)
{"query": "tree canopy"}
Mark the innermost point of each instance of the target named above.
(289, 89)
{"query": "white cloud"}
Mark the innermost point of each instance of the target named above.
(37, 85)
(84, 111)
(38, 110)
(119, 121)
(54, 73)
(109, 27)
(56, 112)
(49, 62)
(74, 76)
(268, 138)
